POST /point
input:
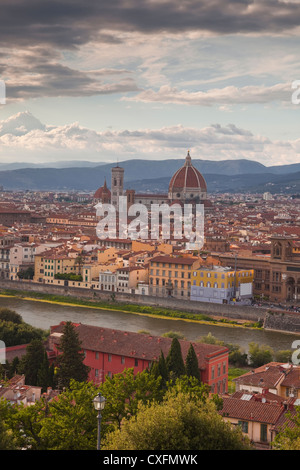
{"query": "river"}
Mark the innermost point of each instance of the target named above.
(43, 315)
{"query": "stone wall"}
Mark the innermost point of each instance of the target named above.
(234, 312)
(282, 321)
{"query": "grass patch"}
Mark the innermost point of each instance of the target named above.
(233, 373)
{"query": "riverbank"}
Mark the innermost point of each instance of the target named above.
(136, 309)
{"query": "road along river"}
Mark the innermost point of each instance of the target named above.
(43, 314)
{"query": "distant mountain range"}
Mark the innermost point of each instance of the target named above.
(142, 175)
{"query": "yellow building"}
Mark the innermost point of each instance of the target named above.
(171, 275)
(221, 285)
(48, 264)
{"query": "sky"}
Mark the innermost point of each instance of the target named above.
(150, 79)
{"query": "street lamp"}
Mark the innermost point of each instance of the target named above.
(99, 404)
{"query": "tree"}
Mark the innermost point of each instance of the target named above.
(79, 261)
(210, 339)
(32, 361)
(26, 273)
(7, 440)
(173, 334)
(124, 392)
(175, 363)
(283, 355)
(163, 369)
(289, 437)
(179, 422)
(6, 314)
(259, 355)
(191, 364)
(71, 422)
(45, 375)
(26, 422)
(70, 361)
(13, 333)
(159, 369)
(237, 358)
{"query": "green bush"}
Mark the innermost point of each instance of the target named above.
(68, 277)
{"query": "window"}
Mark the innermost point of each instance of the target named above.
(244, 426)
(122, 360)
(109, 357)
(263, 432)
(136, 362)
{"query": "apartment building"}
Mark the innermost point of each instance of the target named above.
(128, 278)
(277, 275)
(6, 244)
(50, 263)
(171, 275)
(109, 351)
(219, 284)
(21, 257)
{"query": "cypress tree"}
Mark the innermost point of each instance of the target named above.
(174, 361)
(162, 367)
(191, 364)
(45, 374)
(70, 361)
(32, 361)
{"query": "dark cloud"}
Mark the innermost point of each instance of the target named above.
(68, 24)
(34, 34)
(37, 72)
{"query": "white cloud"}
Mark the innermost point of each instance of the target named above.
(39, 143)
(230, 95)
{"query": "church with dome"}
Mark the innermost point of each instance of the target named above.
(187, 186)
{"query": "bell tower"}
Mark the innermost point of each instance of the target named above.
(117, 182)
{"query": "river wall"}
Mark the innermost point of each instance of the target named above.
(282, 321)
(234, 312)
(272, 320)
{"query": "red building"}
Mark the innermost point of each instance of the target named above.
(109, 351)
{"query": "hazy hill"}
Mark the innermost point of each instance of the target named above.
(226, 175)
(259, 183)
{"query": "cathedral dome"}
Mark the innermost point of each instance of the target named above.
(102, 194)
(187, 183)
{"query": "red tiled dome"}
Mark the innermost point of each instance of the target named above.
(187, 177)
(102, 192)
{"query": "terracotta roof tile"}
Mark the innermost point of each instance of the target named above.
(139, 345)
(251, 410)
